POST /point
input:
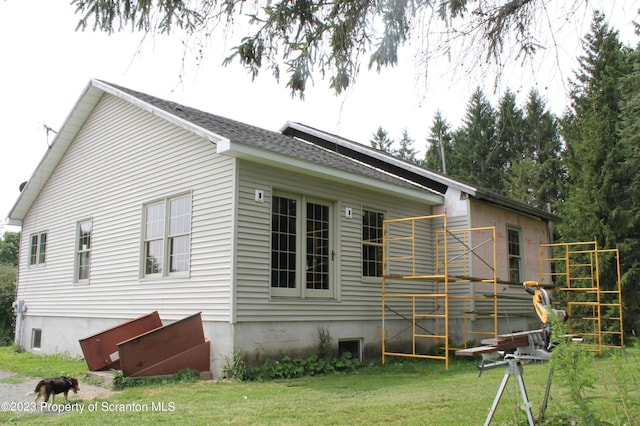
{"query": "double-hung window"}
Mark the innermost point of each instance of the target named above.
(167, 236)
(301, 247)
(372, 243)
(83, 250)
(515, 255)
(38, 248)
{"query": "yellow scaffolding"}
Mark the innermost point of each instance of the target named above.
(417, 282)
(587, 282)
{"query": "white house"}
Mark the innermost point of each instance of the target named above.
(142, 204)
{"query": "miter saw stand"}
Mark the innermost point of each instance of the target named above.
(512, 350)
(514, 368)
(538, 349)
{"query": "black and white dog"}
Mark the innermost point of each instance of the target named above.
(51, 387)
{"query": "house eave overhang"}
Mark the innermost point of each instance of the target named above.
(414, 172)
(250, 153)
(515, 206)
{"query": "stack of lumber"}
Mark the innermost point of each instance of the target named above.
(503, 342)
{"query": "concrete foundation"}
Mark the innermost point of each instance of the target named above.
(258, 342)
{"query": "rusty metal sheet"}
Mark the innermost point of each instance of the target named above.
(167, 349)
(197, 357)
(101, 349)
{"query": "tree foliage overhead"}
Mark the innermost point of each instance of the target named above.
(331, 37)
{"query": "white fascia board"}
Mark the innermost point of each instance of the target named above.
(185, 124)
(239, 150)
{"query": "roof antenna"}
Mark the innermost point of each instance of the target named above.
(49, 130)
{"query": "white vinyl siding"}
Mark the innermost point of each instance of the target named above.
(354, 297)
(129, 157)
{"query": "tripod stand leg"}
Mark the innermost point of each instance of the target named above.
(546, 394)
(525, 399)
(496, 400)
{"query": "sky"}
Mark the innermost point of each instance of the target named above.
(46, 64)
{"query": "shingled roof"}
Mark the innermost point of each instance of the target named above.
(257, 143)
(257, 137)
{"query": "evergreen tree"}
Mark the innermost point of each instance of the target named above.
(476, 153)
(509, 128)
(380, 140)
(510, 146)
(439, 143)
(625, 214)
(593, 151)
(406, 151)
(295, 39)
(536, 170)
(543, 146)
(600, 164)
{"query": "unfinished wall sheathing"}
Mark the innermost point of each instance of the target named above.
(427, 285)
(586, 283)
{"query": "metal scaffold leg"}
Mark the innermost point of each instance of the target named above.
(514, 368)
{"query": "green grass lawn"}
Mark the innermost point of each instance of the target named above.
(403, 392)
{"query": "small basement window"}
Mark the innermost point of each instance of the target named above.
(36, 338)
(353, 346)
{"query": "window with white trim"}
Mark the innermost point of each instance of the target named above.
(83, 250)
(372, 243)
(167, 236)
(515, 254)
(301, 246)
(38, 248)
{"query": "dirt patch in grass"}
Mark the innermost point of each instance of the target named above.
(17, 388)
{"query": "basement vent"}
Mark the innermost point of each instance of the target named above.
(354, 346)
(36, 338)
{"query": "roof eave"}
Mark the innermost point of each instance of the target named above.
(473, 191)
(240, 150)
(514, 205)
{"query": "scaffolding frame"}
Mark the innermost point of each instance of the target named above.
(594, 304)
(452, 252)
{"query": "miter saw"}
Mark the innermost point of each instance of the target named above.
(542, 303)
